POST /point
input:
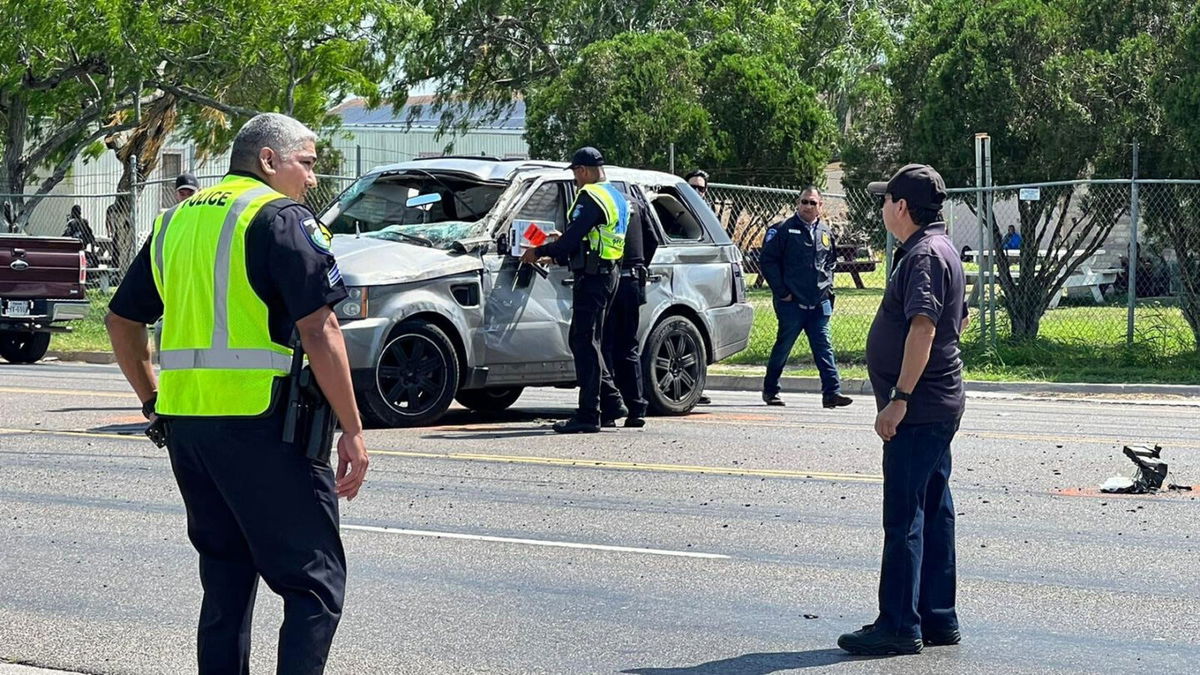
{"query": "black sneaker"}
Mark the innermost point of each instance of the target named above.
(773, 399)
(836, 401)
(576, 426)
(942, 638)
(871, 641)
(635, 422)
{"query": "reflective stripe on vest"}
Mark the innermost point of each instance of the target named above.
(214, 364)
(609, 239)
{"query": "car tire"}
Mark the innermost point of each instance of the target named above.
(674, 366)
(22, 347)
(414, 379)
(490, 400)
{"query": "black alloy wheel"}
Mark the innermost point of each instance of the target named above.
(675, 366)
(415, 379)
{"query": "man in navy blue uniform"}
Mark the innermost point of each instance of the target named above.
(915, 367)
(257, 506)
(798, 259)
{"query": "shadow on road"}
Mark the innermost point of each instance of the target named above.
(758, 664)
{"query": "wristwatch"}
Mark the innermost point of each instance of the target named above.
(148, 406)
(897, 395)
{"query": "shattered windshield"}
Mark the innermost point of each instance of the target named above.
(415, 207)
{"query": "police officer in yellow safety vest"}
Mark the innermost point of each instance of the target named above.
(233, 271)
(592, 245)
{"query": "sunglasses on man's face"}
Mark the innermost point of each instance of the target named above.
(809, 202)
(699, 188)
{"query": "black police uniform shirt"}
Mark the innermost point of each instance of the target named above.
(586, 215)
(640, 239)
(927, 280)
(288, 263)
(798, 259)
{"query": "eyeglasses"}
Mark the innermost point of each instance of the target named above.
(699, 188)
(809, 202)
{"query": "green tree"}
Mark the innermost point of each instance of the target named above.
(74, 78)
(632, 96)
(1055, 103)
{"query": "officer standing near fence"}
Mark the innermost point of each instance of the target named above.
(592, 245)
(235, 271)
(621, 353)
(798, 260)
(915, 366)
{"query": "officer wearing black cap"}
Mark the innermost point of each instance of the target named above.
(915, 367)
(592, 244)
(186, 185)
(235, 271)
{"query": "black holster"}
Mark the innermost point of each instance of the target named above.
(309, 421)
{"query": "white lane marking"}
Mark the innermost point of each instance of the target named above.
(535, 542)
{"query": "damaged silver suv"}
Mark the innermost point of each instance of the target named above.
(440, 309)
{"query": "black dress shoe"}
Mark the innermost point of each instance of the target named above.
(871, 641)
(773, 399)
(942, 638)
(609, 419)
(576, 426)
(703, 400)
(635, 422)
(836, 401)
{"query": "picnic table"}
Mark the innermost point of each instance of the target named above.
(1087, 277)
(848, 263)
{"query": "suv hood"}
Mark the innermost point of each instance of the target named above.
(365, 261)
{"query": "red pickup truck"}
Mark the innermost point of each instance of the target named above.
(42, 287)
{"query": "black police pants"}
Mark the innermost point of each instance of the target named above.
(621, 353)
(592, 296)
(258, 507)
(917, 580)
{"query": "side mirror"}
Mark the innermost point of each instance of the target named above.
(423, 202)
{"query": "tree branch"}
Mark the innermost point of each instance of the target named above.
(189, 94)
(44, 150)
(84, 67)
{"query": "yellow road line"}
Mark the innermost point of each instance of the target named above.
(545, 461)
(71, 392)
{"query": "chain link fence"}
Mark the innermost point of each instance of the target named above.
(1047, 266)
(114, 225)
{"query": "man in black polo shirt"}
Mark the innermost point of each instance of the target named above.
(916, 371)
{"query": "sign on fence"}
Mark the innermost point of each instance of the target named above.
(1030, 194)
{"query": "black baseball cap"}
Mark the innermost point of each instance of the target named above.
(187, 180)
(588, 156)
(919, 185)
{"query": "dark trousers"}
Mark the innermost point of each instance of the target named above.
(258, 507)
(592, 296)
(917, 578)
(621, 354)
(815, 324)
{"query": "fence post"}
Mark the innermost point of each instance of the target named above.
(671, 149)
(130, 245)
(358, 160)
(1133, 245)
(979, 278)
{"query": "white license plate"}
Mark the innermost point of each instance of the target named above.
(18, 308)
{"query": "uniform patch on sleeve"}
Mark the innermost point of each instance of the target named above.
(771, 232)
(334, 275)
(318, 235)
(825, 239)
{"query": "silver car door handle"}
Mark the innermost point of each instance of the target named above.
(654, 277)
(569, 281)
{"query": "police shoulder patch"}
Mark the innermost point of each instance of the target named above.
(825, 239)
(771, 232)
(317, 234)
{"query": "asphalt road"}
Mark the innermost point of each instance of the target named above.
(742, 539)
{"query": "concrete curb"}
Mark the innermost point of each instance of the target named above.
(85, 357)
(812, 385)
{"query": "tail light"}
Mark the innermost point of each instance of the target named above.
(739, 283)
(82, 267)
